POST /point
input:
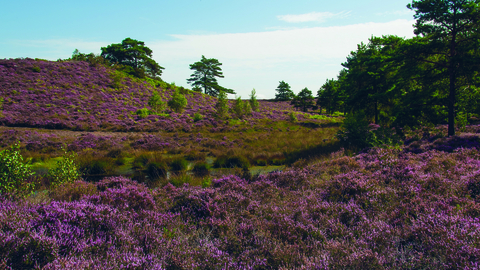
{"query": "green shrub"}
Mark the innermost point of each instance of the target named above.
(220, 162)
(156, 103)
(231, 162)
(178, 102)
(65, 171)
(14, 173)
(180, 179)
(179, 164)
(156, 170)
(201, 169)
(253, 101)
(197, 117)
(143, 113)
(140, 161)
(238, 107)
(222, 105)
(292, 117)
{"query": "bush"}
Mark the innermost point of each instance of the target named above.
(222, 105)
(66, 170)
(201, 169)
(197, 117)
(156, 170)
(143, 113)
(14, 173)
(355, 132)
(178, 102)
(179, 164)
(292, 117)
(73, 191)
(231, 162)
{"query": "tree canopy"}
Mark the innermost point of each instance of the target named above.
(284, 92)
(451, 28)
(134, 56)
(204, 77)
(304, 100)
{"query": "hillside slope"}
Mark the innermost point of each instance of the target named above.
(74, 95)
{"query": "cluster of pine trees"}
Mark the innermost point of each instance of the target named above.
(431, 78)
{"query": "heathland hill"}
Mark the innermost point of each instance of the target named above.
(77, 96)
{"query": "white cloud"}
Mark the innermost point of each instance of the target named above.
(311, 17)
(302, 57)
(402, 12)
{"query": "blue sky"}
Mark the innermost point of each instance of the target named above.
(259, 42)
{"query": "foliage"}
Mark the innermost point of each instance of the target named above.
(222, 105)
(14, 173)
(407, 211)
(354, 131)
(284, 92)
(206, 71)
(304, 100)
(91, 58)
(134, 56)
(178, 102)
(239, 107)
(292, 117)
(179, 164)
(253, 101)
(197, 117)
(143, 112)
(451, 29)
(65, 171)
(201, 169)
(330, 95)
(247, 109)
(156, 103)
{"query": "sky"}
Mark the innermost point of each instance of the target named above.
(258, 42)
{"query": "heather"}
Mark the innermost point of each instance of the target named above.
(119, 181)
(74, 95)
(385, 209)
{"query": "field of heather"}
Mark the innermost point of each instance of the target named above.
(262, 191)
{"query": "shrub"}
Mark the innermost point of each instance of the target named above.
(156, 103)
(292, 117)
(222, 105)
(178, 102)
(73, 191)
(354, 132)
(66, 170)
(201, 169)
(143, 113)
(14, 173)
(156, 170)
(197, 117)
(231, 162)
(238, 107)
(179, 164)
(253, 101)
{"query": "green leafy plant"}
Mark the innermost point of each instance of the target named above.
(292, 117)
(143, 113)
(253, 101)
(178, 102)
(66, 170)
(355, 132)
(156, 103)
(222, 105)
(14, 172)
(238, 107)
(197, 117)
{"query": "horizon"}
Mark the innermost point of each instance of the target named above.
(258, 43)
